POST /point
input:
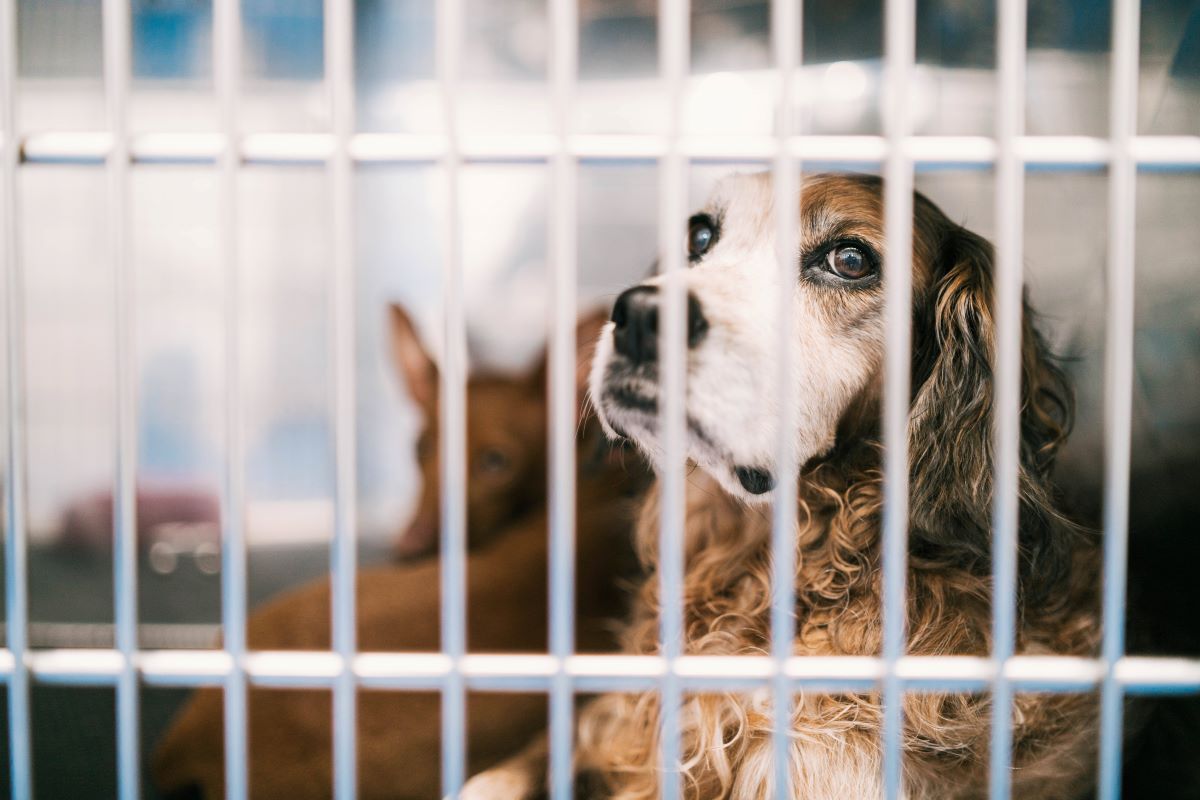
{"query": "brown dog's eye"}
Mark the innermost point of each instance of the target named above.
(492, 461)
(849, 262)
(425, 445)
(701, 235)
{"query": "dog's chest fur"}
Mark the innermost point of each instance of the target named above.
(727, 597)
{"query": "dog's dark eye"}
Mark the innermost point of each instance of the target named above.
(701, 235)
(492, 461)
(849, 262)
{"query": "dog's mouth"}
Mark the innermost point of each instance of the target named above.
(629, 413)
(628, 398)
(632, 411)
(625, 402)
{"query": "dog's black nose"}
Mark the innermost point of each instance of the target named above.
(635, 315)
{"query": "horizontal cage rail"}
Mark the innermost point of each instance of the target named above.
(592, 673)
(1070, 152)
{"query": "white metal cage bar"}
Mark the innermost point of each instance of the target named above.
(452, 400)
(785, 29)
(1157, 152)
(15, 564)
(1118, 380)
(673, 44)
(117, 77)
(561, 672)
(1006, 413)
(900, 46)
(562, 394)
(1143, 675)
(226, 72)
(339, 81)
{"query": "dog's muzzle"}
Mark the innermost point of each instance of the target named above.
(635, 320)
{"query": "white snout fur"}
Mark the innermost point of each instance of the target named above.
(733, 375)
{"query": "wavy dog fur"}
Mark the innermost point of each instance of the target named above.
(727, 586)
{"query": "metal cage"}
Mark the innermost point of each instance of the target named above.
(560, 672)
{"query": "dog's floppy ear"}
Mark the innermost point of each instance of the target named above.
(412, 361)
(950, 430)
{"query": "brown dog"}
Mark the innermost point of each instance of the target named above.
(506, 441)
(399, 733)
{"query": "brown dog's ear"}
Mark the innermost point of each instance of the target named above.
(950, 428)
(412, 361)
(587, 331)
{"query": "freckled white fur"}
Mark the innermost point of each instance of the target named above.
(733, 375)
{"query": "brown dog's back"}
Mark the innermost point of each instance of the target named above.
(399, 611)
(399, 606)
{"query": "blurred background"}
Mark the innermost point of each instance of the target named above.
(285, 255)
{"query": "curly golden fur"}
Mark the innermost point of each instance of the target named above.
(727, 586)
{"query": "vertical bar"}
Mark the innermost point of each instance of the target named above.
(897, 284)
(1118, 379)
(15, 564)
(453, 412)
(785, 40)
(673, 27)
(1010, 176)
(116, 22)
(563, 65)
(227, 36)
(339, 80)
